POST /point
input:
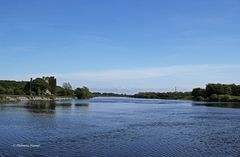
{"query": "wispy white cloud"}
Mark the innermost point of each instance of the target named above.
(144, 73)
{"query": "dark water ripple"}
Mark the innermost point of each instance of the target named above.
(119, 127)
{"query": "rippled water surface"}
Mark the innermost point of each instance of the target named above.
(118, 127)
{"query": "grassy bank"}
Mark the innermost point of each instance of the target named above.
(235, 98)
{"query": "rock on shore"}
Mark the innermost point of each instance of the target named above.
(31, 98)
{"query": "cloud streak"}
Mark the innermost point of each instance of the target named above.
(146, 73)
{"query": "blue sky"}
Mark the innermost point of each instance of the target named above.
(122, 45)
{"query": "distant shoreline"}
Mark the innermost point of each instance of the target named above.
(22, 98)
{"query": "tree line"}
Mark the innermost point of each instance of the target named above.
(212, 92)
(48, 86)
(217, 92)
(98, 94)
(164, 95)
(42, 87)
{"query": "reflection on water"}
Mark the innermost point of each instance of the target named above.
(40, 106)
(64, 105)
(81, 104)
(217, 104)
(43, 106)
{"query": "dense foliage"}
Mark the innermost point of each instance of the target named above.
(62, 91)
(42, 86)
(217, 92)
(167, 95)
(198, 92)
(12, 87)
(83, 93)
(98, 94)
(39, 86)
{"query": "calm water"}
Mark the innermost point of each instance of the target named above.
(119, 127)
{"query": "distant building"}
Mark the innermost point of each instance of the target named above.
(52, 81)
(47, 78)
(48, 92)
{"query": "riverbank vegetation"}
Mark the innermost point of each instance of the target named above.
(165, 95)
(47, 87)
(212, 93)
(98, 94)
(217, 93)
(83, 93)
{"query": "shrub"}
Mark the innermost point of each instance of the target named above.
(214, 97)
(198, 92)
(83, 93)
(199, 98)
(225, 98)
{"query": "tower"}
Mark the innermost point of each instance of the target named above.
(30, 88)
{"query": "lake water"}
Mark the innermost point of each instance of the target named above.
(119, 127)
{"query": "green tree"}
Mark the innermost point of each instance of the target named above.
(12, 87)
(235, 89)
(2, 90)
(198, 92)
(214, 97)
(199, 98)
(225, 98)
(83, 93)
(226, 90)
(64, 92)
(39, 86)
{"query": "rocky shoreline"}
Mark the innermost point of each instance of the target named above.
(4, 99)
